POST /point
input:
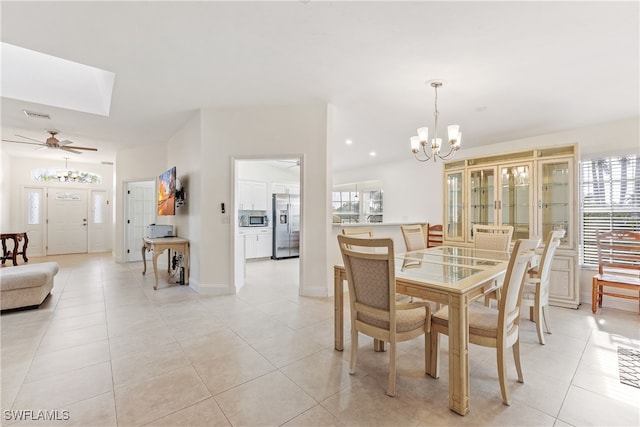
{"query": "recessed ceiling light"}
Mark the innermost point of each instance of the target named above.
(348, 142)
(372, 154)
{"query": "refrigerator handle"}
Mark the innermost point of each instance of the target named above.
(289, 218)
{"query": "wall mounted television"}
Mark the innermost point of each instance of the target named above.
(167, 192)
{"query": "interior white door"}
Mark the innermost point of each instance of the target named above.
(33, 215)
(98, 222)
(141, 211)
(67, 222)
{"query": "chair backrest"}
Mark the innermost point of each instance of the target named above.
(509, 305)
(618, 249)
(434, 235)
(492, 237)
(414, 236)
(358, 231)
(369, 264)
(550, 246)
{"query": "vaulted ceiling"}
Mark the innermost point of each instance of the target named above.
(511, 69)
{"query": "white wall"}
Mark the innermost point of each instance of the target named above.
(283, 131)
(184, 152)
(412, 190)
(134, 164)
(5, 190)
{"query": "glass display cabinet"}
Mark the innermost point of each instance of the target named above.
(555, 198)
(532, 190)
(453, 227)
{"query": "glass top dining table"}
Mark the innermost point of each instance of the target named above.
(449, 275)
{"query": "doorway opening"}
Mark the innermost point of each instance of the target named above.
(140, 211)
(267, 220)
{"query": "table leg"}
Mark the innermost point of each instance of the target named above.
(144, 259)
(14, 254)
(458, 354)
(5, 254)
(24, 248)
(187, 263)
(156, 254)
(338, 304)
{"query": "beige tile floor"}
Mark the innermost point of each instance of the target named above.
(108, 350)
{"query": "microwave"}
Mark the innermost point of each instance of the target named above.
(258, 221)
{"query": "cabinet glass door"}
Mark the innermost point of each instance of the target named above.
(555, 204)
(482, 198)
(454, 205)
(515, 199)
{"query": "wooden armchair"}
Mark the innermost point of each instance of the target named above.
(618, 266)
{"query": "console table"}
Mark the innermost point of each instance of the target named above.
(13, 254)
(157, 246)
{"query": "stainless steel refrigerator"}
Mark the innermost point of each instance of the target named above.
(286, 226)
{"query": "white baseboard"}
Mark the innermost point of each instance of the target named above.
(211, 288)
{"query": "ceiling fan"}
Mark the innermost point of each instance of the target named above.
(53, 143)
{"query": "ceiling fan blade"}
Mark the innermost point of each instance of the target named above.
(31, 139)
(83, 148)
(65, 142)
(70, 150)
(23, 142)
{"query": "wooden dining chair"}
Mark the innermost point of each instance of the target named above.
(414, 236)
(536, 286)
(490, 327)
(372, 298)
(358, 231)
(493, 238)
(434, 235)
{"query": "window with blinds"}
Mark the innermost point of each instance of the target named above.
(610, 199)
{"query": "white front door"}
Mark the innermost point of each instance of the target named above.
(33, 215)
(98, 221)
(68, 222)
(141, 211)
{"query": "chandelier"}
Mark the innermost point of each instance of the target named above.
(419, 142)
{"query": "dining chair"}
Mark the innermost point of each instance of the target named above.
(536, 286)
(434, 235)
(372, 298)
(414, 236)
(494, 238)
(490, 327)
(358, 231)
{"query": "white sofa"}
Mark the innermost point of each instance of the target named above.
(26, 285)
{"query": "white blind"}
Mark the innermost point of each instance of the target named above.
(610, 200)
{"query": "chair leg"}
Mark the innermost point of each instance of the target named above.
(545, 316)
(502, 372)
(391, 389)
(594, 296)
(537, 310)
(354, 351)
(516, 357)
(434, 350)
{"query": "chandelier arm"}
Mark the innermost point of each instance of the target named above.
(451, 153)
(421, 160)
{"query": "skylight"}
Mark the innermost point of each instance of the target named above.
(36, 77)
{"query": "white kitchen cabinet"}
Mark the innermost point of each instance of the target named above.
(252, 196)
(282, 188)
(257, 243)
